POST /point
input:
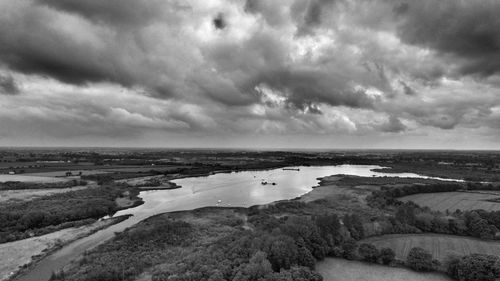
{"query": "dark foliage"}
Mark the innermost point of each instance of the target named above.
(368, 252)
(421, 260)
(17, 185)
(387, 255)
(42, 215)
(475, 267)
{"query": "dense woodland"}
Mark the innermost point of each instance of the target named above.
(19, 220)
(17, 185)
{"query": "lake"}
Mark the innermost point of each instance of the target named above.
(237, 189)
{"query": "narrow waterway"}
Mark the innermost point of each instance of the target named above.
(238, 189)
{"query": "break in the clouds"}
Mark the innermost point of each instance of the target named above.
(284, 73)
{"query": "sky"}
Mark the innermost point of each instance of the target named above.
(251, 73)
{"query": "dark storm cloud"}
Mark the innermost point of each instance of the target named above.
(219, 21)
(122, 12)
(394, 125)
(313, 15)
(8, 85)
(306, 88)
(60, 63)
(400, 8)
(468, 30)
(275, 13)
(29, 45)
(407, 89)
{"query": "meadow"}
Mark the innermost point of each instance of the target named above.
(335, 269)
(440, 246)
(451, 201)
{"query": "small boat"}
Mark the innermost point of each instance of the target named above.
(291, 169)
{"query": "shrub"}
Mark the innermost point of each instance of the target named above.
(387, 255)
(451, 265)
(349, 248)
(368, 252)
(420, 260)
(478, 267)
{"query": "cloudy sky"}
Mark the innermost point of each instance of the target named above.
(251, 73)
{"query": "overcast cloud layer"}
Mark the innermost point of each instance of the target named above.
(254, 73)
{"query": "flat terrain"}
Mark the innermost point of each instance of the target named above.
(456, 200)
(148, 182)
(334, 187)
(24, 178)
(439, 245)
(30, 194)
(333, 269)
(18, 253)
(62, 173)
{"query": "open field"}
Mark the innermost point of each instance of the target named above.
(456, 200)
(334, 187)
(30, 194)
(334, 269)
(18, 253)
(439, 245)
(62, 173)
(24, 178)
(148, 182)
(138, 169)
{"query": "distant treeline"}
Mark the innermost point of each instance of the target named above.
(17, 185)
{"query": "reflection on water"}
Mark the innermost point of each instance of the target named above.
(240, 189)
(244, 189)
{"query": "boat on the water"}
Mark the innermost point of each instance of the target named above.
(291, 169)
(266, 183)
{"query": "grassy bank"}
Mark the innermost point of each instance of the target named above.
(18, 256)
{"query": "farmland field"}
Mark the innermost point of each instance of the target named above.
(62, 173)
(456, 200)
(333, 269)
(439, 245)
(30, 194)
(5, 178)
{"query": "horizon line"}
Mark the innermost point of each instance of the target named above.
(244, 148)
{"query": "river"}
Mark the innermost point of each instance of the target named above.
(237, 189)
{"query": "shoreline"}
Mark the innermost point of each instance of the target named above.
(319, 180)
(35, 259)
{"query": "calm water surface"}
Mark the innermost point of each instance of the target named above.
(241, 189)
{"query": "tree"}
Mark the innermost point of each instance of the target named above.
(282, 252)
(216, 276)
(406, 213)
(387, 255)
(479, 227)
(257, 268)
(420, 260)
(349, 248)
(303, 228)
(305, 258)
(354, 225)
(478, 267)
(368, 252)
(451, 264)
(329, 227)
(304, 274)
